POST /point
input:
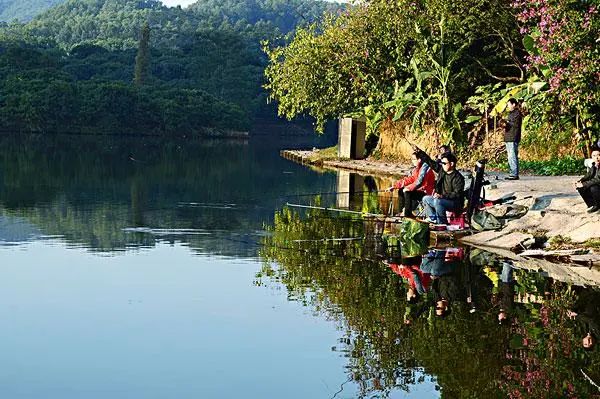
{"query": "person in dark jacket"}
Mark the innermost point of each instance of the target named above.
(512, 137)
(449, 188)
(589, 185)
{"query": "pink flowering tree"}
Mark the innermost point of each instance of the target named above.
(564, 43)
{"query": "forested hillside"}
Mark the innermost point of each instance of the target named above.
(24, 10)
(205, 64)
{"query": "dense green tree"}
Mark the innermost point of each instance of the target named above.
(206, 60)
(142, 59)
(562, 38)
(426, 54)
(24, 10)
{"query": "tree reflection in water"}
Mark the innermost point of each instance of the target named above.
(507, 333)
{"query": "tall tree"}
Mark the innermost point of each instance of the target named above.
(142, 59)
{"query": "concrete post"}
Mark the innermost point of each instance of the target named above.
(349, 188)
(351, 138)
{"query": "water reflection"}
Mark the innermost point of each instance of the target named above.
(476, 324)
(409, 316)
(114, 194)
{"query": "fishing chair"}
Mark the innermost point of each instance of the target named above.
(462, 217)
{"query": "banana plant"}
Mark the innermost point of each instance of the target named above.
(426, 97)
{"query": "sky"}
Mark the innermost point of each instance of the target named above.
(185, 3)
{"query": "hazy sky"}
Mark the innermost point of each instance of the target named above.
(185, 3)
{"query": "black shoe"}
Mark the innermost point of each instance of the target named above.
(593, 209)
(511, 178)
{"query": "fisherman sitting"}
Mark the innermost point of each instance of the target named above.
(414, 187)
(589, 185)
(449, 187)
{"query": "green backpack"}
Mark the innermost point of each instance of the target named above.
(483, 220)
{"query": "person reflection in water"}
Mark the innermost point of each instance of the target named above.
(442, 264)
(507, 292)
(586, 312)
(418, 282)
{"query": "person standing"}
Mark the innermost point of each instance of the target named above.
(512, 137)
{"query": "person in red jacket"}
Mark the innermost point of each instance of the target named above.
(419, 183)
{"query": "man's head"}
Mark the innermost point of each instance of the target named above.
(512, 104)
(596, 156)
(448, 162)
(588, 342)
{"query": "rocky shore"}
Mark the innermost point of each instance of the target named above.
(556, 219)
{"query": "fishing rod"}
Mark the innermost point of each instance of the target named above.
(332, 193)
(335, 239)
(247, 202)
(367, 217)
(322, 208)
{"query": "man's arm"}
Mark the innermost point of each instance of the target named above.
(427, 159)
(588, 175)
(589, 180)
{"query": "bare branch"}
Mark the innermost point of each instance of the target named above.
(499, 78)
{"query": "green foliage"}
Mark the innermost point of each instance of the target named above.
(142, 59)
(39, 95)
(432, 52)
(593, 243)
(563, 42)
(24, 10)
(206, 66)
(552, 167)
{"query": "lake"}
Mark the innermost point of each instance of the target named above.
(148, 268)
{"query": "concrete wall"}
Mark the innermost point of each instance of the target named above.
(351, 138)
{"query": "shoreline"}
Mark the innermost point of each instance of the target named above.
(556, 214)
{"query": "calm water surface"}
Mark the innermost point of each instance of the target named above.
(140, 268)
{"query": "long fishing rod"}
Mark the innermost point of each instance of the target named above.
(367, 217)
(332, 193)
(328, 209)
(247, 201)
